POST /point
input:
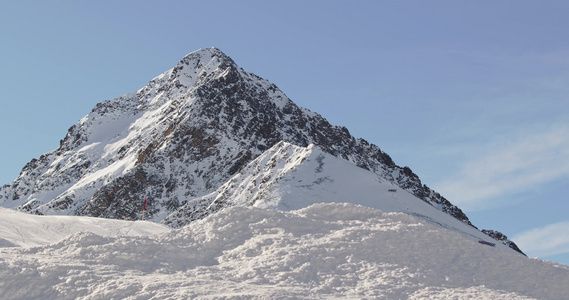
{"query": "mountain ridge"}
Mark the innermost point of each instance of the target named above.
(288, 177)
(180, 137)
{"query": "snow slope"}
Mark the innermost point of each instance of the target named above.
(25, 230)
(324, 251)
(289, 177)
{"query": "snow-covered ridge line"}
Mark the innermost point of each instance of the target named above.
(19, 229)
(289, 177)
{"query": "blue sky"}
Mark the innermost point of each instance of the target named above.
(471, 95)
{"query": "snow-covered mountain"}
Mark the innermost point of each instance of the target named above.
(323, 251)
(207, 135)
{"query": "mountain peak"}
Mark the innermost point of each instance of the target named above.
(207, 52)
(181, 137)
(209, 56)
(200, 66)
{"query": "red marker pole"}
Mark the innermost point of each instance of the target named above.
(143, 208)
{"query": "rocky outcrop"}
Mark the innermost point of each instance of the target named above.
(502, 238)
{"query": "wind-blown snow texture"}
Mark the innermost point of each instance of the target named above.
(324, 251)
(181, 137)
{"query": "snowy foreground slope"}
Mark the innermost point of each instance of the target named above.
(21, 230)
(324, 251)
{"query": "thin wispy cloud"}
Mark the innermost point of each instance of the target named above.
(510, 168)
(544, 241)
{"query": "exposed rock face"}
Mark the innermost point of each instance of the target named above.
(498, 236)
(180, 137)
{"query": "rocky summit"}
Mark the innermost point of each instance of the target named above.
(182, 139)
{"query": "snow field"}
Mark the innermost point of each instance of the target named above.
(325, 251)
(25, 230)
